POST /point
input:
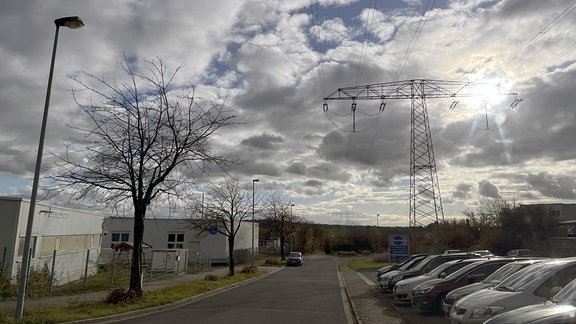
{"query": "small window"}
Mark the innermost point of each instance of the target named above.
(119, 238)
(175, 240)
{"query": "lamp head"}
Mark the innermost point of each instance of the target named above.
(71, 22)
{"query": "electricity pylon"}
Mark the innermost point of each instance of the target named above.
(425, 200)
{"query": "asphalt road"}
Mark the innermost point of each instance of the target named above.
(307, 294)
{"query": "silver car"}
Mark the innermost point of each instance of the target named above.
(531, 285)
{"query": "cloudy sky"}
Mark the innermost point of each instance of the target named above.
(274, 62)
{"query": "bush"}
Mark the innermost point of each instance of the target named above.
(273, 262)
(249, 269)
(365, 252)
(211, 277)
(121, 295)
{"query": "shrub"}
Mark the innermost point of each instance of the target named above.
(249, 269)
(211, 277)
(121, 295)
(273, 262)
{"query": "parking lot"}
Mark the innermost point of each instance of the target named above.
(406, 310)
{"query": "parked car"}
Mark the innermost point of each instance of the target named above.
(428, 296)
(559, 309)
(521, 253)
(403, 289)
(531, 285)
(492, 280)
(428, 264)
(483, 253)
(294, 259)
(395, 266)
(383, 279)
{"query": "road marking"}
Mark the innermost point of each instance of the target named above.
(368, 281)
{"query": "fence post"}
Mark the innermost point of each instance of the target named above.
(112, 268)
(86, 267)
(52, 271)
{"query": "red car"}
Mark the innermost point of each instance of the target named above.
(428, 295)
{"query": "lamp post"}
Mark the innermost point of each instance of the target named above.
(377, 234)
(291, 222)
(253, 182)
(72, 23)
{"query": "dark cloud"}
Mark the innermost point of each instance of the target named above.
(487, 189)
(264, 141)
(560, 187)
(463, 191)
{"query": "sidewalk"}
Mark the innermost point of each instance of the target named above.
(147, 286)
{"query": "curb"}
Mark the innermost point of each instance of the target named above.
(352, 311)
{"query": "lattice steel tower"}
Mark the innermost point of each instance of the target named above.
(425, 199)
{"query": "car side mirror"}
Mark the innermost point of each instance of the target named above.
(442, 275)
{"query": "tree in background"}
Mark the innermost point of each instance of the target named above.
(226, 205)
(279, 220)
(143, 138)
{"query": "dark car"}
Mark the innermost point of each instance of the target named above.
(294, 259)
(383, 278)
(427, 265)
(396, 266)
(559, 309)
(428, 295)
(492, 280)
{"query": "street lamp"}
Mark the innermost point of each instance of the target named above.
(72, 23)
(377, 234)
(253, 181)
(291, 221)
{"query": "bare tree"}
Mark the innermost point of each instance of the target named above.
(280, 221)
(226, 205)
(143, 141)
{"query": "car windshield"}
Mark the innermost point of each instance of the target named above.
(424, 262)
(408, 265)
(294, 255)
(448, 267)
(462, 271)
(504, 272)
(567, 295)
(526, 277)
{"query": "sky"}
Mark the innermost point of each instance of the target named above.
(273, 62)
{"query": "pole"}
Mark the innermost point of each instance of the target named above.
(377, 234)
(252, 251)
(29, 225)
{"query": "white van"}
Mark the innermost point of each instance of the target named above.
(531, 285)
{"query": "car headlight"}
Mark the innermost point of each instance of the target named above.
(421, 291)
(486, 311)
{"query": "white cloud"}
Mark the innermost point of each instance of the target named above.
(261, 56)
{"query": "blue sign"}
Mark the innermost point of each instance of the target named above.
(398, 247)
(213, 230)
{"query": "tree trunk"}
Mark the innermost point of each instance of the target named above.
(136, 266)
(231, 255)
(282, 251)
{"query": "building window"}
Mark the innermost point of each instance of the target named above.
(175, 240)
(119, 238)
(32, 246)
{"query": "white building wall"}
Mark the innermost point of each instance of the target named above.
(65, 233)
(156, 233)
